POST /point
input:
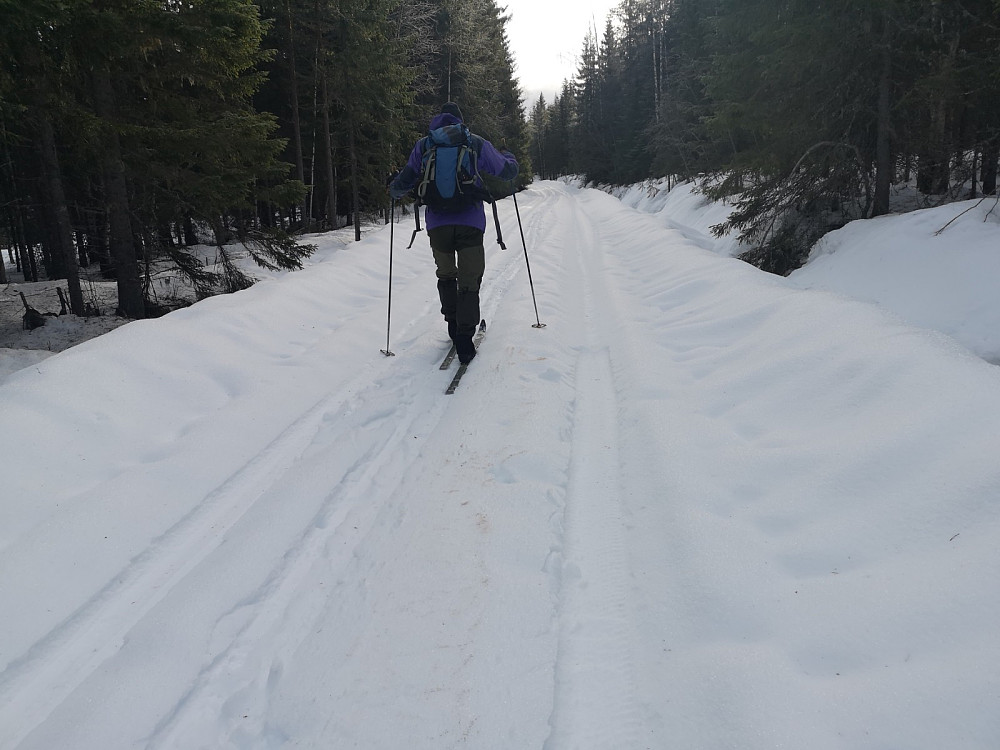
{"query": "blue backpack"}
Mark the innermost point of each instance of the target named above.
(450, 170)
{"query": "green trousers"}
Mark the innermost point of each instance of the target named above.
(461, 261)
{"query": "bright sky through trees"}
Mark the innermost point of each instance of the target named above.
(546, 37)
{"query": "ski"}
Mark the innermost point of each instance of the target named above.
(465, 366)
(449, 357)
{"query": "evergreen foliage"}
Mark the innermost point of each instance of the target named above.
(153, 127)
(472, 64)
(243, 119)
(803, 114)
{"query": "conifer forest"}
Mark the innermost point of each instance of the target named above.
(805, 114)
(132, 130)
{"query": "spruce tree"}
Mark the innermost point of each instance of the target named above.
(474, 67)
(369, 84)
(154, 126)
(540, 138)
(33, 84)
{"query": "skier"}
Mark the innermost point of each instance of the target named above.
(443, 169)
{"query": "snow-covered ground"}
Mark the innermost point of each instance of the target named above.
(20, 348)
(704, 507)
(933, 268)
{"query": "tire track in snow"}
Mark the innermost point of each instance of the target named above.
(595, 703)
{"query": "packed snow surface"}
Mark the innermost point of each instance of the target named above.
(703, 508)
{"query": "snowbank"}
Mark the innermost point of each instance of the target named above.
(935, 268)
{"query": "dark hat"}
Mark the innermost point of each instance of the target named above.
(450, 108)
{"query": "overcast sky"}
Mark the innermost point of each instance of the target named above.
(546, 37)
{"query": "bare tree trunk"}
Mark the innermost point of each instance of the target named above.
(988, 169)
(311, 193)
(934, 168)
(97, 239)
(131, 303)
(355, 188)
(972, 173)
(293, 90)
(331, 183)
(63, 234)
(11, 206)
(883, 149)
(29, 263)
(657, 68)
(82, 251)
(25, 253)
(190, 236)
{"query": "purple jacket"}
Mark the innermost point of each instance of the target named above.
(491, 161)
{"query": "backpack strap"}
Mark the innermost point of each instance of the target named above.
(429, 153)
(416, 216)
(496, 220)
(477, 145)
(482, 188)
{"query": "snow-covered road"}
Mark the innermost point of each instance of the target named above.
(700, 509)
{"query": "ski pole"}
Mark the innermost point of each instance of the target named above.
(538, 323)
(392, 227)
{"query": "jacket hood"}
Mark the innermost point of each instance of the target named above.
(443, 119)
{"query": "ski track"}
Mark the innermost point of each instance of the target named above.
(594, 704)
(514, 566)
(284, 610)
(244, 668)
(99, 630)
(225, 705)
(351, 519)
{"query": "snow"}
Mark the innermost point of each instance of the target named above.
(20, 348)
(704, 507)
(936, 268)
(684, 209)
(933, 268)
